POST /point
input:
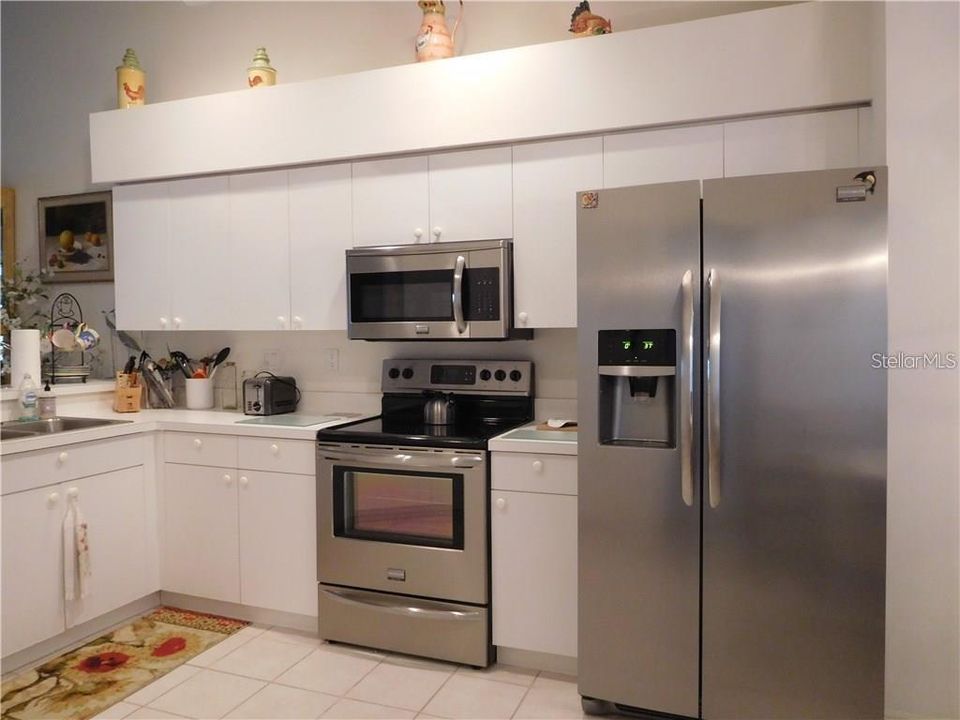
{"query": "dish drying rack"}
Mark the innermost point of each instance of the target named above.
(65, 311)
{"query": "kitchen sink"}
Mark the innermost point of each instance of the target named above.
(15, 429)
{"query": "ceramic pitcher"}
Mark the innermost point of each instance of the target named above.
(435, 41)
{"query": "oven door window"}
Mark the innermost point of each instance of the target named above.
(397, 506)
(413, 295)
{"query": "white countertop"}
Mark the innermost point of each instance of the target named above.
(198, 421)
(527, 439)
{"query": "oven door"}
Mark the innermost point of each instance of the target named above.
(434, 292)
(403, 520)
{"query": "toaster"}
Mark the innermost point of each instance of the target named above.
(270, 395)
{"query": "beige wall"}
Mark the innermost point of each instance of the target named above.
(923, 507)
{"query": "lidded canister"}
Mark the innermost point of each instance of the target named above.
(260, 72)
(131, 81)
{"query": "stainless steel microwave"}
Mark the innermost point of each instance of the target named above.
(440, 291)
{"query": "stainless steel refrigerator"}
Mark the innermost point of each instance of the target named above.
(732, 446)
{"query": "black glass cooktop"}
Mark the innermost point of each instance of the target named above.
(478, 419)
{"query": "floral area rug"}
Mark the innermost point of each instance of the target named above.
(82, 683)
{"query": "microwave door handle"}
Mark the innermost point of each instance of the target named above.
(458, 294)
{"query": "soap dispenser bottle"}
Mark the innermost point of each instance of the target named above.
(47, 403)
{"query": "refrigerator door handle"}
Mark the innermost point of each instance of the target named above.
(686, 389)
(713, 388)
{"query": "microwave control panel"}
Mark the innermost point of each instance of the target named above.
(481, 293)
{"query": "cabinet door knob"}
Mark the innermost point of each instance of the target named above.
(197, 443)
(62, 458)
(437, 232)
(501, 503)
(538, 466)
(418, 233)
(73, 492)
(297, 320)
(177, 322)
(163, 322)
(244, 481)
(227, 479)
(522, 317)
(281, 320)
(53, 497)
(275, 449)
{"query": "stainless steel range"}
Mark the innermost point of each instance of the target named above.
(403, 509)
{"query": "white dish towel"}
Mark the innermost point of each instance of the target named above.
(76, 553)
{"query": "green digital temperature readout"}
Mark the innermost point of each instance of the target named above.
(637, 347)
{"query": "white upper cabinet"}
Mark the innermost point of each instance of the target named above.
(201, 256)
(471, 195)
(546, 178)
(811, 141)
(391, 201)
(320, 232)
(141, 232)
(258, 251)
(660, 156)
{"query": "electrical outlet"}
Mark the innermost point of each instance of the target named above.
(331, 357)
(271, 360)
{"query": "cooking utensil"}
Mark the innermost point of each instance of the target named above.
(183, 362)
(123, 336)
(131, 363)
(221, 356)
(153, 378)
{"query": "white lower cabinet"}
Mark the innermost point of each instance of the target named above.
(32, 573)
(534, 554)
(201, 542)
(278, 541)
(238, 534)
(116, 508)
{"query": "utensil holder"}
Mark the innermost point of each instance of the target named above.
(128, 394)
(199, 393)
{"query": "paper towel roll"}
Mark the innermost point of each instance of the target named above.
(24, 356)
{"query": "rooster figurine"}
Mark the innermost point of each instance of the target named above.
(584, 23)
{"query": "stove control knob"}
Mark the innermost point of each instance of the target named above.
(393, 373)
(515, 375)
(407, 373)
(484, 375)
(500, 375)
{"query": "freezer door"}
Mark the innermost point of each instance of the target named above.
(795, 271)
(639, 516)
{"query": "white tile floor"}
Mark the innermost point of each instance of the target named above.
(274, 673)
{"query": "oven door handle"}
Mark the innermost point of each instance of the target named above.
(402, 459)
(458, 294)
(399, 605)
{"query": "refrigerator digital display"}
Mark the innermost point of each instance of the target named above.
(637, 347)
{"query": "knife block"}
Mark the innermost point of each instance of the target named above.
(128, 394)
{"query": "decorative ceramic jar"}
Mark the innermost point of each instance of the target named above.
(435, 41)
(131, 82)
(260, 73)
(583, 23)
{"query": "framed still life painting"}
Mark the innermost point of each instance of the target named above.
(76, 237)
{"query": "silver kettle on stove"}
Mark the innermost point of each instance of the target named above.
(440, 409)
